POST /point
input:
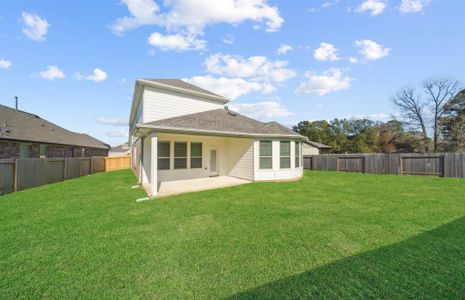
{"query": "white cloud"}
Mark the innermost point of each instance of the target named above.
(116, 133)
(35, 27)
(257, 68)
(326, 52)
(328, 81)
(383, 117)
(376, 7)
(176, 42)
(228, 39)
(194, 15)
(261, 110)
(330, 3)
(371, 50)
(413, 6)
(353, 60)
(5, 64)
(117, 121)
(52, 72)
(98, 75)
(283, 49)
(231, 88)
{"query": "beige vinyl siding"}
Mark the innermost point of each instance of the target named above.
(158, 105)
(309, 150)
(242, 159)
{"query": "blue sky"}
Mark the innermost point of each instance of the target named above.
(75, 62)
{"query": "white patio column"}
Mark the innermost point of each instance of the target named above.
(154, 165)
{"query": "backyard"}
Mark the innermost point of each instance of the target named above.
(328, 235)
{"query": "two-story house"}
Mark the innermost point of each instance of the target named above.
(179, 131)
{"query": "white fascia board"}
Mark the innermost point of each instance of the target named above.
(219, 133)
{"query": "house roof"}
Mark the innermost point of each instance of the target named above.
(174, 85)
(317, 145)
(120, 148)
(222, 122)
(178, 83)
(23, 126)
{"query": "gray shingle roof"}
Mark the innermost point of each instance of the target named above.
(23, 126)
(222, 120)
(178, 83)
(318, 145)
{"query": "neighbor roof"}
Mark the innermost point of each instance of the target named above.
(23, 126)
(222, 121)
(318, 145)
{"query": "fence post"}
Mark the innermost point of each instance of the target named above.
(15, 178)
(65, 168)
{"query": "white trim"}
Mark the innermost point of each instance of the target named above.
(220, 133)
(154, 166)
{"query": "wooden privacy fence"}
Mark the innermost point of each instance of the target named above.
(20, 174)
(440, 164)
(117, 162)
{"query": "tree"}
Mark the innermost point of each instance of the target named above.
(453, 123)
(424, 113)
(413, 110)
(440, 92)
(393, 138)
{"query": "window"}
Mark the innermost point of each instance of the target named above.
(43, 151)
(163, 155)
(285, 155)
(196, 155)
(180, 155)
(24, 151)
(297, 154)
(266, 155)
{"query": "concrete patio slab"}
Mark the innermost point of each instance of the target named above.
(198, 184)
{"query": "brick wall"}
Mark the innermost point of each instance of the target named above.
(10, 150)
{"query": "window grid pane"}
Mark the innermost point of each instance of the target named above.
(180, 155)
(266, 163)
(285, 162)
(297, 154)
(285, 148)
(163, 164)
(266, 155)
(164, 149)
(196, 155)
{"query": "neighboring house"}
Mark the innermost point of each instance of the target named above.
(120, 150)
(313, 148)
(180, 131)
(25, 135)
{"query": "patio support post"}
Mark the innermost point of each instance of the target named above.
(154, 166)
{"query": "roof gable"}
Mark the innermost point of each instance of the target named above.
(23, 126)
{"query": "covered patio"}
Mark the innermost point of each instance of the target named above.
(176, 187)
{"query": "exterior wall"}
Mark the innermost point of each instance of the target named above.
(11, 150)
(242, 158)
(276, 173)
(232, 157)
(309, 150)
(162, 104)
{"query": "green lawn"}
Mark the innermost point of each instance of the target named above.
(329, 235)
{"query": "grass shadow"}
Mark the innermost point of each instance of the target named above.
(428, 266)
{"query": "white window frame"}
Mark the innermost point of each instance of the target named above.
(164, 157)
(180, 157)
(297, 154)
(196, 156)
(285, 156)
(260, 156)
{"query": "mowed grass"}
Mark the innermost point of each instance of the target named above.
(329, 235)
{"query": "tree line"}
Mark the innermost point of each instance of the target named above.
(431, 119)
